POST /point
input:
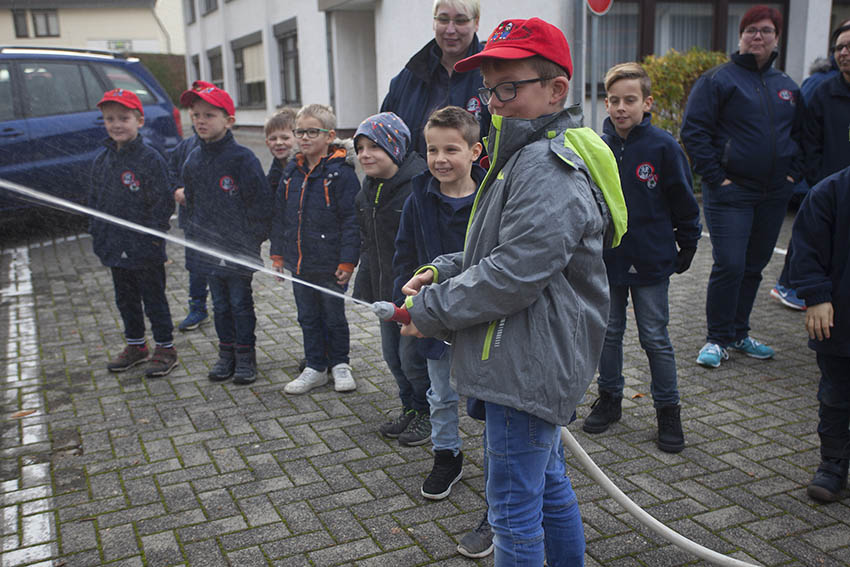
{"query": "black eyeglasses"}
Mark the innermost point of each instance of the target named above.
(309, 132)
(505, 91)
(841, 47)
(765, 32)
(459, 21)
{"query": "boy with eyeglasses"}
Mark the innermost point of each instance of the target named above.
(525, 304)
(316, 236)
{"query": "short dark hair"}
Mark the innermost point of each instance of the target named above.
(458, 119)
(758, 13)
(630, 70)
(283, 119)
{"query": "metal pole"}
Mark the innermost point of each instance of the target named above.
(594, 42)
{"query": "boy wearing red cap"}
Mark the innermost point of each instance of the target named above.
(129, 179)
(228, 206)
(525, 304)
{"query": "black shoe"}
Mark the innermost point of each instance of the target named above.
(223, 368)
(670, 436)
(418, 432)
(396, 427)
(479, 542)
(447, 470)
(829, 479)
(605, 410)
(245, 370)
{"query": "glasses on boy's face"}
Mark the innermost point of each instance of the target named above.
(309, 132)
(506, 91)
(765, 32)
(459, 21)
(841, 47)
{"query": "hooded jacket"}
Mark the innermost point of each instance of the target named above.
(827, 129)
(820, 265)
(526, 303)
(745, 124)
(228, 205)
(410, 89)
(379, 206)
(315, 228)
(656, 181)
(130, 183)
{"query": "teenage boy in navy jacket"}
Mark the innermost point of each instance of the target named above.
(229, 206)
(663, 213)
(819, 270)
(129, 179)
(315, 236)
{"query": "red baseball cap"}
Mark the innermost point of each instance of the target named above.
(519, 39)
(209, 93)
(124, 98)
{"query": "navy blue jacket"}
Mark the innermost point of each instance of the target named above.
(663, 212)
(827, 129)
(817, 77)
(745, 124)
(228, 205)
(379, 205)
(422, 236)
(410, 91)
(130, 183)
(820, 265)
(176, 158)
(275, 174)
(315, 227)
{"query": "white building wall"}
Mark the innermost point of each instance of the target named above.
(808, 35)
(356, 95)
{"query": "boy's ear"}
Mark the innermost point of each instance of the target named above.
(141, 118)
(477, 148)
(647, 103)
(332, 134)
(607, 104)
(231, 120)
(560, 89)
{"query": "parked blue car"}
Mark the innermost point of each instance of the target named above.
(50, 126)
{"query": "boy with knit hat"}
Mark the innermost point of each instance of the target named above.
(382, 143)
(525, 305)
(129, 179)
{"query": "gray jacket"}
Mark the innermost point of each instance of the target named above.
(526, 303)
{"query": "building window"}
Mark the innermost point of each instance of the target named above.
(619, 37)
(682, 25)
(45, 23)
(250, 66)
(216, 67)
(189, 11)
(196, 68)
(208, 6)
(286, 33)
(21, 24)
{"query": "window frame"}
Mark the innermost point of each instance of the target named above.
(19, 18)
(208, 6)
(46, 13)
(290, 95)
(249, 95)
(189, 12)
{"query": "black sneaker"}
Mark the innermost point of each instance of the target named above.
(245, 369)
(223, 368)
(396, 427)
(447, 470)
(605, 410)
(479, 542)
(670, 436)
(129, 357)
(829, 479)
(418, 432)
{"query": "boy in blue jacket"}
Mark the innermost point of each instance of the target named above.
(281, 142)
(663, 213)
(228, 202)
(821, 240)
(129, 179)
(315, 236)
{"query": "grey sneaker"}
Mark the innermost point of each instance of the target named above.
(418, 432)
(396, 427)
(479, 542)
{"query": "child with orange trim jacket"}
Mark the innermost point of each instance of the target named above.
(316, 236)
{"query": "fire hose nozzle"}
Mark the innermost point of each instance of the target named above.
(387, 311)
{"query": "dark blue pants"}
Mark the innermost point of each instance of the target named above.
(834, 412)
(323, 322)
(144, 286)
(407, 365)
(198, 286)
(744, 225)
(233, 301)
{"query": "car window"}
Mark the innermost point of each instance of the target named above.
(53, 88)
(94, 91)
(7, 111)
(122, 79)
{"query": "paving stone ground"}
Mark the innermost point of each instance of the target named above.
(114, 469)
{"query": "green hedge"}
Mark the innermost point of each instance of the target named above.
(169, 70)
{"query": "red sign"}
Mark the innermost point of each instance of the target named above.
(599, 7)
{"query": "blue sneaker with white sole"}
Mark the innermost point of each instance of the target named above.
(753, 348)
(787, 296)
(711, 355)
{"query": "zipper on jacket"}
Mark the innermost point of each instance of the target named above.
(375, 236)
(300, 212)
(488, 340)
(766, 97)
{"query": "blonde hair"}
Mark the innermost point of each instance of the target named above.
(471, 8)
(456, 118)
(283, 119)
(630, 70)
(321, 112)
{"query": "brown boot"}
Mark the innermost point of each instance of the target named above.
(129, 357)
(163, 361)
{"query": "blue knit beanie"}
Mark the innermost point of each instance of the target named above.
(389, 132)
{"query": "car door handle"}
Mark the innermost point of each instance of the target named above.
(10, 133)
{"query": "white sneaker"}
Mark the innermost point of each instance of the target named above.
(343, 380)
(306, 381)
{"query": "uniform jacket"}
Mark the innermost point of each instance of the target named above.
(228, 205)
(275, 173)
(379, 205)
(130, 183)
(820, 265)
(315, 220)
(420, 238)
(176, 158)
(525, 304)
(745, 124)
(409, 90)
(827, 129)
(656, 181)
(820, 71)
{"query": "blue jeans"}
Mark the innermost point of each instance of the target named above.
(323, 322)
(135, 288)
(442, 400)
(407, 366)
(233, 301)
(533, 509)
(651, 315)
(198, 286)
(744, 225)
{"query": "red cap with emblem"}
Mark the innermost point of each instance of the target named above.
(209, 93)
(124, 98)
